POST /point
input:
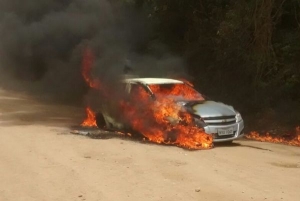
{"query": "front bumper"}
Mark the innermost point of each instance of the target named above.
(238, 129)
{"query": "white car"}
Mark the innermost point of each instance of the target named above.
(222, 121)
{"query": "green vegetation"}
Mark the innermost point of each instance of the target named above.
(244, 52)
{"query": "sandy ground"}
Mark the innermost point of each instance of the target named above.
(41, 160)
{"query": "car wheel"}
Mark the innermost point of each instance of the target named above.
(170, 137)
(100, 121)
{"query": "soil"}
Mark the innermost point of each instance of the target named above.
(42, 160)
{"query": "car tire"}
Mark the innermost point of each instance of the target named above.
(100, 121)
(170, 137)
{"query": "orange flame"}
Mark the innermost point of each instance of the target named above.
(179, 90)
(87, 64)
(160, 121)
(164, 119)
(293, 140)
(90, 120)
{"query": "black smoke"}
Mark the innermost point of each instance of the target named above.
(42, 43)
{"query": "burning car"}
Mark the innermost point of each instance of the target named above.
(175, 103)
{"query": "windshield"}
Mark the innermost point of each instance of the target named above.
(179, 91)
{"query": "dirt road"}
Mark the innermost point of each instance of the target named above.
(41, 160)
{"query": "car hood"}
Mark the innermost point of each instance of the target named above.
(211, 109)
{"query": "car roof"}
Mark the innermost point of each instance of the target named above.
(153, 81)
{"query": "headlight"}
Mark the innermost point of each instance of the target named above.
(238, 117)
(199, 121)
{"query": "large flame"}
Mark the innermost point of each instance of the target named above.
(160, 121)
(179, 91)
(293, 139)
(164, 118)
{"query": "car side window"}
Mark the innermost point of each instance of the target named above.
(133, 89)
(137, 91)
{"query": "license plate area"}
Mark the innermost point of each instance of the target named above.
(224, 132)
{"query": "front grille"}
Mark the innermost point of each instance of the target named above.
(221, 123)
(220, 120)
(219, 117)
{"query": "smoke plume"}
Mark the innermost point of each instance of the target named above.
(42, 42)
